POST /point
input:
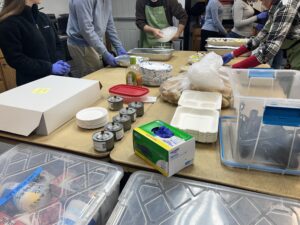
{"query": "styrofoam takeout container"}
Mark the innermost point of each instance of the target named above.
(201, 100)
(202, 124)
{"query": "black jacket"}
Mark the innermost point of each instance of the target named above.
(28, 42)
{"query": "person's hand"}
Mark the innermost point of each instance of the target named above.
(259, 27)
(110, 59)
(157, 34)
(121, 51)
(263, 15)
(227, 58)
(60, 68)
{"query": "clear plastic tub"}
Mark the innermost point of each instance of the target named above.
(149, 198)
(39, 186)
(267, 105)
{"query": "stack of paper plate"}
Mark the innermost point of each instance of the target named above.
(92, 118)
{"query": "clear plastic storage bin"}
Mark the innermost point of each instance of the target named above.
(149, 198)
(39, 186)
(266, 134)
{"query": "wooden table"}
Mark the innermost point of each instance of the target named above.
(207, 165)
(71, 138)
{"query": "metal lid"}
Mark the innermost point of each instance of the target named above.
(127, 111)
(115, 99)
(136, 105)
(121, 118)
(103, 136)
(114, 126)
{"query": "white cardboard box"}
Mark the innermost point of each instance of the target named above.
(45, 104)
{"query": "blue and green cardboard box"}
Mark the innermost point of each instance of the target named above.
(169, 154)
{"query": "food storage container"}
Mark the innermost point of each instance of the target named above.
(232, 42)
(41, 186)
(150, 198)
(130, 93)
(156, 54)
(198, 114)
(265, 134)
(155, 73)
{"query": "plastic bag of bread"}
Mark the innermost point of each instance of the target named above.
(209, 75)
(172, 88)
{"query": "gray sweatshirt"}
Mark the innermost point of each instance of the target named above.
(88, 22)
(243, 18)
(214, 17)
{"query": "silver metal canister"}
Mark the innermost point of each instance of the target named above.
(115, 103)
(103, 141)
(130, 112)
(125, 120)
(139, 107)
(116, 129)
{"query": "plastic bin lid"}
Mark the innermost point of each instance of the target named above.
(128, 90)
(52, 187)
(150, 198)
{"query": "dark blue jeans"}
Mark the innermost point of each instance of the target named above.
(234, 35)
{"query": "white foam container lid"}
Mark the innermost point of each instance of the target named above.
(201, 100)
(202, 124)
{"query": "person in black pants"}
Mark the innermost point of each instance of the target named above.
(29, 41)
(213, 23)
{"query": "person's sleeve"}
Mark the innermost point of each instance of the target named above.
(238, 20)
(140, 16)
(112, 33)
(84, 10)
(282, 22)
(216, 20)
(260, 37)
(12, 48)
(178, 12)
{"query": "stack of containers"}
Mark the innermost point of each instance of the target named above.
(198, 115)
(265, 135)
(222, 46)
(150, 198)
(40, 186)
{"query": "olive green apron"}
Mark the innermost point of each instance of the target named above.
(156, 17)
(292, 48)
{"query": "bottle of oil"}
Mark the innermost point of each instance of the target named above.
(133, 74)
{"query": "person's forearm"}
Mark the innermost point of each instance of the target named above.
(149, 29)
(180, 29)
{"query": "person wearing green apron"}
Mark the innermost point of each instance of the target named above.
(282, 31)
(154, 15)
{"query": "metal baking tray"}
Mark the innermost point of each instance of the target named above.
(157, 54)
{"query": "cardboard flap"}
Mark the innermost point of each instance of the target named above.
(19, 121)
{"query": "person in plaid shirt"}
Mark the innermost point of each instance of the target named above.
(282, 31)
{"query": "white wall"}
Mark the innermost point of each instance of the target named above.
(55, 6)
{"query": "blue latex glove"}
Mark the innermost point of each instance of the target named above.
(163, 132)
(227, 58)
(259, 27)
(110, 59)
(263, 15)
(60, 68)
(121, 51)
